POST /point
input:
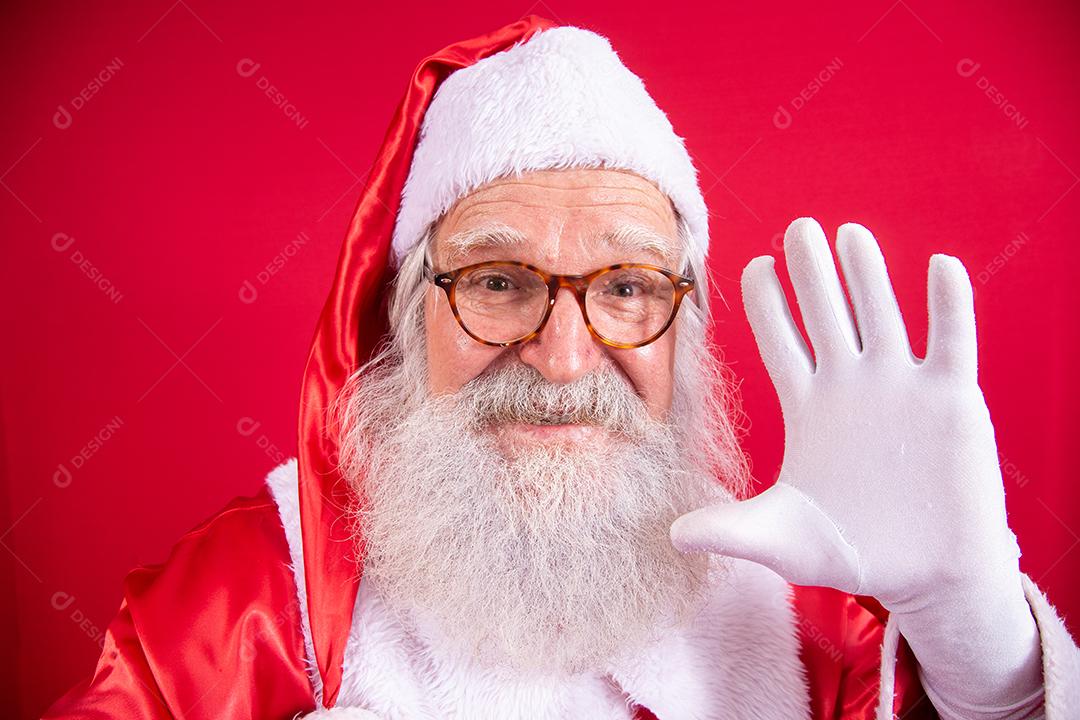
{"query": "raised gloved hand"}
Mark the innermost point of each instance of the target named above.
(890, 484)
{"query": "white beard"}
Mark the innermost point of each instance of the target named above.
(555, 559)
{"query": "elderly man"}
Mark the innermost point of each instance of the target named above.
(520, 491)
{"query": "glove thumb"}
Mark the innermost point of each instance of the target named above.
(780, 529)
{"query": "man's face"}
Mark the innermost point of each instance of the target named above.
(569, 222)
(518, 500)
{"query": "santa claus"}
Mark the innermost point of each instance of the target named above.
(520, 493)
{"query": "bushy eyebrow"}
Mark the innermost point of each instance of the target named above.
(461, 243)
(631, 240)
(628, 239)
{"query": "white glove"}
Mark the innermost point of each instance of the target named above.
(890, 483)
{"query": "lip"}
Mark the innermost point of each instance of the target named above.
(569, 432)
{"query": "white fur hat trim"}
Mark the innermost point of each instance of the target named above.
(562, 99)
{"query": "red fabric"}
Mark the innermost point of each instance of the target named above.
(352, 322)
(840, 647)
(214, 634)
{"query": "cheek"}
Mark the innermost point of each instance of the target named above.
(652, 371)
(453, 357)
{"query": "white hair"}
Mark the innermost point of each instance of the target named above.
(558, 559)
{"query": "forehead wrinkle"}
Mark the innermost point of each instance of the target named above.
(628, 239)
(600, 195)
(588, 203)
(504, 191)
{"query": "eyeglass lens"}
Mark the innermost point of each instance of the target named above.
(503, 303)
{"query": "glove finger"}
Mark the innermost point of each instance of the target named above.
(825, 311)
(782, 349)
(951, 345)
(877, 313)
(779, 529)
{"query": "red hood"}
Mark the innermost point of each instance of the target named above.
(352, 322)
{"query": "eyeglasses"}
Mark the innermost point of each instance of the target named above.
(505, 303)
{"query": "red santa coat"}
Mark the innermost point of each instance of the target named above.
(225, 629)
(215, 632)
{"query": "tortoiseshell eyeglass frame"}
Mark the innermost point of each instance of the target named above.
(577, 284)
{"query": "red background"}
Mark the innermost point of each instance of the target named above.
(179, 180)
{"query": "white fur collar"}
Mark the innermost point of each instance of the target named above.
(738, 659)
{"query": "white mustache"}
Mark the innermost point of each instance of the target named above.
(520, 393)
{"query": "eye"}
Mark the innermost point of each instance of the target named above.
(628, 284)
(495, 283)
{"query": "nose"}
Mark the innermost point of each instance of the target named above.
(565, 349)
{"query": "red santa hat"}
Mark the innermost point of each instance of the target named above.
(526, 97)
(561, 99)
